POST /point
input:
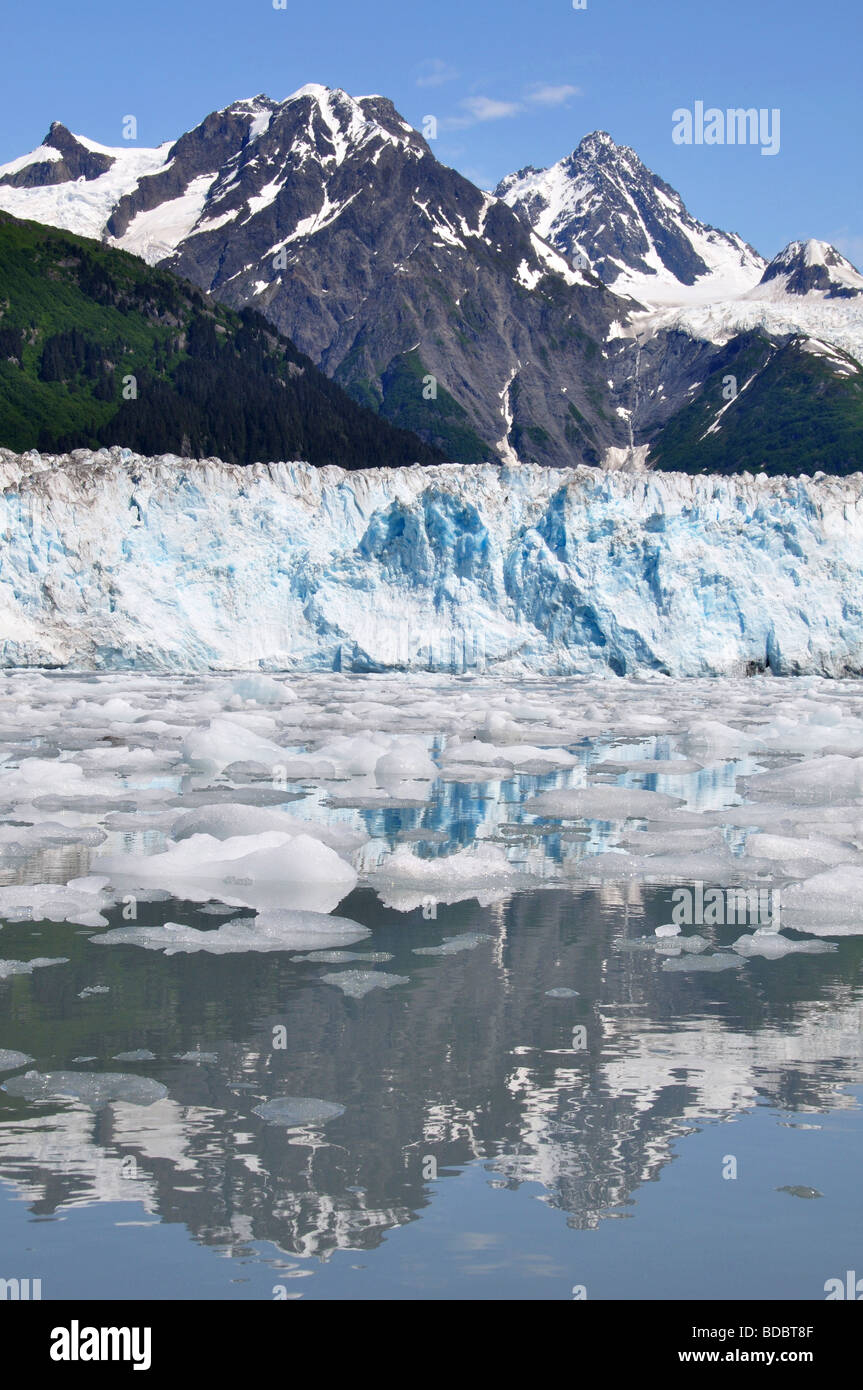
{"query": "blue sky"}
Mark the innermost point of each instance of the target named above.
(512, 83)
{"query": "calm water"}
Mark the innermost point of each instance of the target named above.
(655, 1133)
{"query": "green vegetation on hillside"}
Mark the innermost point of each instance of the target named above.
(98, 348)
(796, 411)
(439, 419)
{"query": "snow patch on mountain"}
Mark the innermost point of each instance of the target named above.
(603, 208)
(836, 321)
(155, 234)
(82, 206)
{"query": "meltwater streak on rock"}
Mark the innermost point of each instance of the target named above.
(114, 562)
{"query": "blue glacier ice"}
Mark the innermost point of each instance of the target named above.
(113, 561)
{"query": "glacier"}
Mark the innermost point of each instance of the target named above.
(112, 561)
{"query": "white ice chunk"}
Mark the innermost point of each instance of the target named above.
(226, 741)
(468, 941)
(9, 1059)
(255, 869)
(276, 930)
(94, 1089)
(719, 961)
(406, 761)
(357, 983)
(773, 946)
(263, 690)
(828, 904)
(26, 967)
(815, 781)
(295, 1112)
(228, 819)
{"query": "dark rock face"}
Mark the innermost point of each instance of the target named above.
(804, 266)
(77, 162)
(334, 219)
(603, 203)
(491, 326)
(211, 146)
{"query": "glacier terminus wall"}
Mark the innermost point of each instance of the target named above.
(113, 561)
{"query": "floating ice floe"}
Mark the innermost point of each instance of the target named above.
(274, 930)
(95, 1089)
(79, 902)
(466, 942)
(673, 840)
(263, 690)
(718, 961)
(17, 842)
(141, 1054)
(357, 983)
(801, 850)
(252, 870)
(357, 755)
(663, 945)
(295, 1112)
(773, 946)
(9, 1059)
(342, 957)
(717, 739)
(229, 820)
(405, 762)
(447, 876)
(227, 741)
(815, 780)
(663, 767)
(713, 867)
(828, 903)
(26, 967)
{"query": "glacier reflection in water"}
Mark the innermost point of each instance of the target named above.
(532, 1037)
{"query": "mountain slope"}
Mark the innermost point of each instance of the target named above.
(332, 216)
(97, 348)
(602, 204)
(446, 311)
(798, 408)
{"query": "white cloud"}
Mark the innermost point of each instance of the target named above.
(477, 109)
(547, 95)
(435, 72)
(482, 108)
(487, 109)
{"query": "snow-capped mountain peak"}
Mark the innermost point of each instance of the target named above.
(602, 203)
(148, 200)
(60, 158)
(74, 183)
(330, 215)
(812, 268)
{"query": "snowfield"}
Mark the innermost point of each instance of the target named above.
(112, 561)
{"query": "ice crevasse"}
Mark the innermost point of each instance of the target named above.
(114, 561)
